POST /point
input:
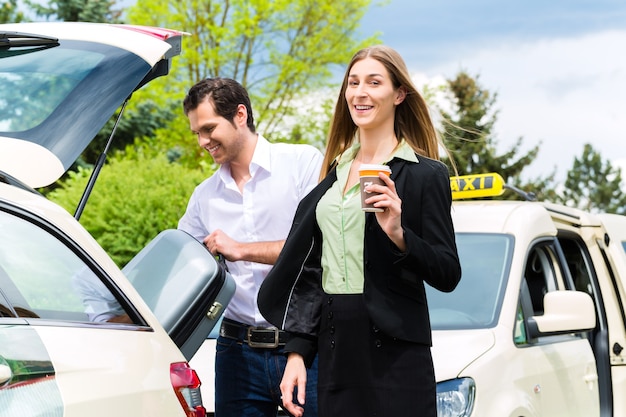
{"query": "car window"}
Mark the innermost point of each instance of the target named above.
(41, 277)
(541, 275)
(578, 265)
(475, 303)
(35, 81)
(539, 278)
(67, 91)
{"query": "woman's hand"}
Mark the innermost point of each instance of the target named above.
(389, 219)
(294, 377)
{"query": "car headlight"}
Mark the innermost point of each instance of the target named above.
(455, 398)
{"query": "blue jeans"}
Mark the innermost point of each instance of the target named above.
(247, 381)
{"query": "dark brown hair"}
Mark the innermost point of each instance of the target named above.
(224, 94)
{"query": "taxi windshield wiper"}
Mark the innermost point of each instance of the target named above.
(20, 39)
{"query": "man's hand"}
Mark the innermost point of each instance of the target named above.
(294, 377)
(219, 242)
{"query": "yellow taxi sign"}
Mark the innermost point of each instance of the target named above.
(477, 185)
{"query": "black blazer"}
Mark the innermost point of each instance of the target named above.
(291, 295)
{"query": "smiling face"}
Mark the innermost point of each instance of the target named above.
(371, 95)
(223, 139)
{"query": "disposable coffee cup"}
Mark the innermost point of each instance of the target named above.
(368, 175)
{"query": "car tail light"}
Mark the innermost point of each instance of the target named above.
(186, 385)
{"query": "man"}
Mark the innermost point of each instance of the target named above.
(243, 213)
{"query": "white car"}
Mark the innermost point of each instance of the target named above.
(537, 325)
(78, 336)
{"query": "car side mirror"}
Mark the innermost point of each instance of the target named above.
(564, 312)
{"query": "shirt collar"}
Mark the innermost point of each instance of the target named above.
(402, 151)
(262, 155)
(261, 158)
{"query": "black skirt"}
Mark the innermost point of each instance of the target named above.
(365, 373)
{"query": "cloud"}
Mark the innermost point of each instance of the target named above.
(562, 92)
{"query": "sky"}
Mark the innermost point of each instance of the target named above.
(558, 67)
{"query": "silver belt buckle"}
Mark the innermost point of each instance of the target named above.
(265, 345)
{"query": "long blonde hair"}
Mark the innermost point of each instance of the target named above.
(412, 117)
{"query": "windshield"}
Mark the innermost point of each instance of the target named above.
(475, 303)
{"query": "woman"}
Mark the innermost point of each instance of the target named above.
(349, 285)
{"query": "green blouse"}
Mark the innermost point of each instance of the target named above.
(342, 223)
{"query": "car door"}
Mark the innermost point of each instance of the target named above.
(72, 337)
(583, 275)
(565, 380)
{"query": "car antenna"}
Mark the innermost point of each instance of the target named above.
(96, 169)
(528, 196)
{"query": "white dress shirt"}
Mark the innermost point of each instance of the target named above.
(281, 175)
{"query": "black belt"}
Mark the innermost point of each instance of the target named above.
(255, 337)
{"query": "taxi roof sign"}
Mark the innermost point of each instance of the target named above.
(476, 186)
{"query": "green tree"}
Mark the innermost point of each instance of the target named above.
(593, 184)
(9, 12)
(280, 50)
(77, 10)
(468, 133)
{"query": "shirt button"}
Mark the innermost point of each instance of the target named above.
(378, 343)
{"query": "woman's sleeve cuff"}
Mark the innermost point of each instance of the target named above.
(307, 347)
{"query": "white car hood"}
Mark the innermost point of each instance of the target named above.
(454, 350)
